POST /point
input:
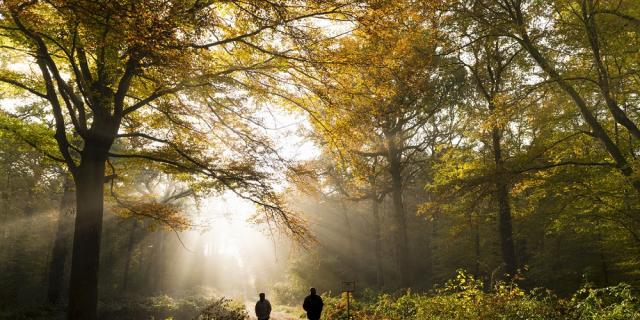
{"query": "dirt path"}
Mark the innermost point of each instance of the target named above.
(281, 316)
(275, 314)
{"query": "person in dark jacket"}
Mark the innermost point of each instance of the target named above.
(313, 305)
(263, 308)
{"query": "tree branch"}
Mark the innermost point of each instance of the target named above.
(565, 163)
(23, 86)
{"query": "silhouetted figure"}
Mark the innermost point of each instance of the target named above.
(263, 308)
(313, 305)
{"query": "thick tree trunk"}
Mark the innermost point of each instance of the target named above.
(400, 219)
(401, 238)
(60, 251)
(377, 238)
(504, 207)
(89, 178)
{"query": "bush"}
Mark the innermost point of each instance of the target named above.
(464, 298)
(156, 308)
(165, 307)
(224, 309)
(612, 303)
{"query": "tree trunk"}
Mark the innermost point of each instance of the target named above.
(155, 273)
(352, 260)
(89, 178)
(429, 256)
(401, 238)
(400, 219)
(127, 263)
(150, 262)
(477, 247)
(603, 261)
(5, 197)
(60, 251)
(504, 208)
(377, 238)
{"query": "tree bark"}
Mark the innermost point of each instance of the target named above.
(400, 219)
(504, 207)
(89, 179)
(60, 251)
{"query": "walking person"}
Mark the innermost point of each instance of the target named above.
(313, 305)
(263, 308)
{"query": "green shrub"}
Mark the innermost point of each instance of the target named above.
(165, 307)
(223, 309)
(463, 298)
(611, 303)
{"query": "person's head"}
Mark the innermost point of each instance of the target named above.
(261, 296)
(313, 290)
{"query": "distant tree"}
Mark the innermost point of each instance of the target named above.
(60, 252)
(30, 183)
(380, 93)
(490, 71)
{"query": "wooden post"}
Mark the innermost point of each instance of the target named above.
(348, 287)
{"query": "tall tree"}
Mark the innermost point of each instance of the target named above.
(489, 71)
(379, 88)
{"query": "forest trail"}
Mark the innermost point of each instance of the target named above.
(275, 314)
(281, 316)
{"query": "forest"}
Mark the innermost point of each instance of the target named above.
(409, 159)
